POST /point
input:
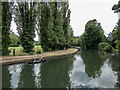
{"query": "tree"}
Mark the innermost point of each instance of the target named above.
(116, 9)
(26, 19)
(53, 33)
(6, 20)
(46, 34)
(93, 35)
(66, 23)
(0, 28)
(119, 36)
(15, 41)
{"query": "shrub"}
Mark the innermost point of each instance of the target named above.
(108, 48)
(105, 47)
(38, 52)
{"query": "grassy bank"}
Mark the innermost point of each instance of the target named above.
(19, 50)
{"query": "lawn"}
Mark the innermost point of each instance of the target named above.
(19, 50)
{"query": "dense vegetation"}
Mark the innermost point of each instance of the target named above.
(6, 20)
(14, 40)
(116, 32)
(103, 46)
(93, 35)
(55, 31)
(50, 20)
(25, 19)
(0, 28)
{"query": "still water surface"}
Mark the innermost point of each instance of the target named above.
(86, 69)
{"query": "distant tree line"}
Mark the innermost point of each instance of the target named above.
(51, 20)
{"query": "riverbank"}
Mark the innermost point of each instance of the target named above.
(47, 55)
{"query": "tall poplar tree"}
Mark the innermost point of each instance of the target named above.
(54, 20)
(26, 19)
(6, 21)
(0, 28)
(66, 23)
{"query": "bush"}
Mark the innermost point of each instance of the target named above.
(102, 45)
(108, 48)
(105, 47)
(38, 52)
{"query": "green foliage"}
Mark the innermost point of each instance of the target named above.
(38, 49)
(103, 46)
(6, 20)
(55, 31)
(38, 52)
(25, 19)
(19, 50)
(15, 41)
(116, 36)
(116, 9)
(0, 28)
(76, 41)
(93, 35)
(36, 43)
(108, 48)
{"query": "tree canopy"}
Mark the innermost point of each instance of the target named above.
(93, 35)
(15, 40)
(116, 9)
(6, 21)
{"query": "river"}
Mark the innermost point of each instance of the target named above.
(85, 69)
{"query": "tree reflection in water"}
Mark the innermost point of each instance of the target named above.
(115, 63)
(55, 73)
(93, 63)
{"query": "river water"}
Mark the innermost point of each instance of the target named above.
(86, 69)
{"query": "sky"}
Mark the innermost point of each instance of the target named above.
(84, 10)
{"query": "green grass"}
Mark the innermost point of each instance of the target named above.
(19, 50)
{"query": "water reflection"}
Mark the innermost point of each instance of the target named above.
(15, 71)
(5, 77)
(93, 63)
(37, 75)
(27, 77)
(55, 73)
(12, 77)
(115, 63)
(87, 69)
(90, 70)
